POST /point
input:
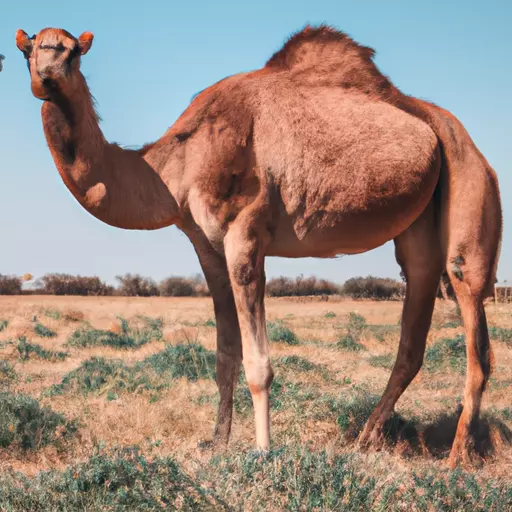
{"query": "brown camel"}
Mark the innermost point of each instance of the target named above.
(316, 154)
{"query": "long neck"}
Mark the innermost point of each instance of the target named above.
(116, 185)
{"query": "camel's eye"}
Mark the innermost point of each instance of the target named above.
(56, 48)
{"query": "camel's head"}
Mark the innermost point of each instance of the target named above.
(53, 58)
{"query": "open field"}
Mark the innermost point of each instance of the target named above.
(111, 396)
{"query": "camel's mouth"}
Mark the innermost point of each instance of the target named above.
(44, 89)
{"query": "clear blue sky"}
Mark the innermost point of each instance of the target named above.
(150, 57)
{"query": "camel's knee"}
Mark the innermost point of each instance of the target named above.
(259, 375)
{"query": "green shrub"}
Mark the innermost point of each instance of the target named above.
(121, 479)
(384, 361)
(43, 331)
(52, 313)
(24, 423)
(8, 375)
(303, 400)
(210, 323)
(447, 352)
(353, 409)
(191, 361)
(99, 375)
(297, 364)
(277, 331)
(3, 324)
(381, 331)
(348, 342)
(501, 334)
(356, 323)
(355, 326)
(330, 314)
(129, 337)
(154, 373)
(26, 350)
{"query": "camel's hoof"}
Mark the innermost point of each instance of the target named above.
(216, 443)
(371, 439)
(206, 444)
(465, 457)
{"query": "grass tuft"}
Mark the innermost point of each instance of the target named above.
(24, 423)
(3, 324)
(447, 352)
(43, 331)
(191, 361)
(501, 334)
(156, 372)
(384, 361)
(26, 350)
(129, 337)
(8, 375)
(52, 313)
(348, 342)
(120, 479)
(279, 332)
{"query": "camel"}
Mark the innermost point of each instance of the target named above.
(316, 154)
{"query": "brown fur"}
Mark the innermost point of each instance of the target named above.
(316, 154)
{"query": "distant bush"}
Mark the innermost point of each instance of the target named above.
(135, 285)
(67, 284)
(374, 288)
(10, 285)
(301, 286)
(184, 287)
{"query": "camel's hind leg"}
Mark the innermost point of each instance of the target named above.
(418, 251)
(473, 230)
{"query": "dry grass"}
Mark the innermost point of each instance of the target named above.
(172, 421)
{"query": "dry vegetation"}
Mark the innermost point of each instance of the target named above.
(104, 402)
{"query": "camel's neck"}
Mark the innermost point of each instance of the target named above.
(116, 185)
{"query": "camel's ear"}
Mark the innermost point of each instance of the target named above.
(23, 42)
(85, 42)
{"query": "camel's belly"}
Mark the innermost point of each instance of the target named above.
(350, 235)
(351, 174)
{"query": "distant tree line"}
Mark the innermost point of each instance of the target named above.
(135, 285)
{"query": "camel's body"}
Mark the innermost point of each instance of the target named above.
(316, 154)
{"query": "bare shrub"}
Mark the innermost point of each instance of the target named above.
(374, 288)
(184, 287)
(10, 285)
(67, 284)
(301, 286)
(135, 285)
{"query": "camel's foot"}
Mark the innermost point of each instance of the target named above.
(372, 437)
(463, 454)
(218, 442)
